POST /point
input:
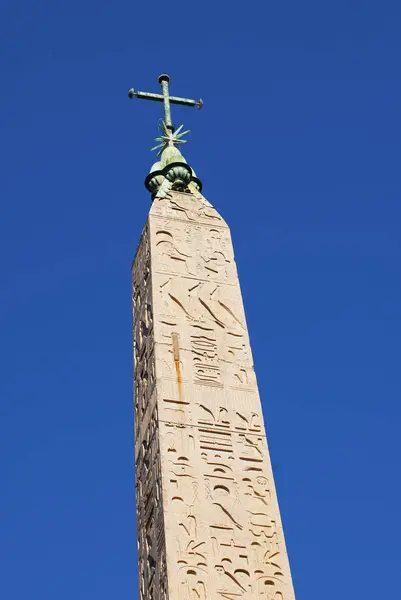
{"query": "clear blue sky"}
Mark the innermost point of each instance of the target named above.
(298, 146)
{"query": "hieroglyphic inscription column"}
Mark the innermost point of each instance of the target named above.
(209, 525)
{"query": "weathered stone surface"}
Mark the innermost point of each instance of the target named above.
(209, 525)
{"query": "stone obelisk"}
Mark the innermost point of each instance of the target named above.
(208, 519)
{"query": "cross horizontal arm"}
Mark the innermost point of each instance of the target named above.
(159, 98)
(186, 101)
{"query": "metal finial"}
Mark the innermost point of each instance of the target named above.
(163, 77)
(172, 169)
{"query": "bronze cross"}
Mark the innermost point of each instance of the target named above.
(166, 99)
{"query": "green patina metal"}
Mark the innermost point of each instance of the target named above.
(164, 81)
(160, 98)
(165, 97)
(172, 166)
(169, 138)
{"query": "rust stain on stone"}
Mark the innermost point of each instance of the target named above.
(176, 356)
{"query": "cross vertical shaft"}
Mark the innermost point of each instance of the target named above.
(164, 81)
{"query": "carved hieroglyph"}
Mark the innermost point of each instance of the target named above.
(209, 526)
